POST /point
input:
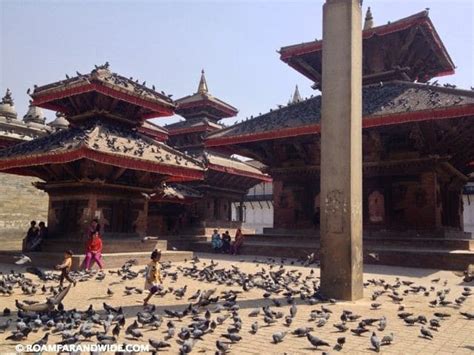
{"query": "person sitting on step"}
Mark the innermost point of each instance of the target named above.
(216, 241)
(226, 242)
(239, 240)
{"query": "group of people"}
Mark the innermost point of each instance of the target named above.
(223, 244)
(93, 253)
(34, 237)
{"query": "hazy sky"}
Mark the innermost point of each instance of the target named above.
(167, 43)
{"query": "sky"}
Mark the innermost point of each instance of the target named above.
(167, 43)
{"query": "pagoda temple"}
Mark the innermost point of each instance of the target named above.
(108, 162)
(418, 137)
(206, 204)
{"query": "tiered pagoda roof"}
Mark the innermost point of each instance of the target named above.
(201, 111)
(408, 49)
(106, 113)
(394, 56)
(154, 131)
(389, 103)
(103, 143)
(102, 92)
(203, 104)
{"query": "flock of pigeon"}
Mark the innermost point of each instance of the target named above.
(208, 311)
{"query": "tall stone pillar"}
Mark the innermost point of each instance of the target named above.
(341, 151)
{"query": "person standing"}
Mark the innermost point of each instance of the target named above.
(94, 251)
(152, 275)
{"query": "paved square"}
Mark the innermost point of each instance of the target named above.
(454, 336)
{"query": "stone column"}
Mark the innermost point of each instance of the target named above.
(341, 151)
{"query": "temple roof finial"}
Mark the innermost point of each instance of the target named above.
(202, 88)
(7, 99)
(296, 96)
(369, 20)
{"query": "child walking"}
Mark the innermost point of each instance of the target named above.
(65, 267)
(152, 275)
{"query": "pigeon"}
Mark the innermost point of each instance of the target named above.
(278, 337)
(255, 312)
(374, 340)
(4, 326)
(254, 328)
(359, 331)
(426, 333)
(341, 327)
(42, 341)
(147, 196)
(116, 330)
(22, 259)
(222, 347)
(136, 334)
(302, 332)
(158, 344)
(293, 310)
(232, 337)
(468, 315)
(315, 341)
(341, 341)
(387, 339)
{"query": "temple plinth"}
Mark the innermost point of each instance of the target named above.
(341, 151)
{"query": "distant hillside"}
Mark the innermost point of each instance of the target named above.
(20, 202)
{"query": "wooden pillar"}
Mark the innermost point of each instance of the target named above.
(341, 151)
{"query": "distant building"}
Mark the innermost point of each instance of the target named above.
(257, 205)
(468, 205)
(20, 201)
(257, 209)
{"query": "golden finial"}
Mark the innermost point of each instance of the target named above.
(369, 20)
(202, 88)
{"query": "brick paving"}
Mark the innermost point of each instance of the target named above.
(456, 335)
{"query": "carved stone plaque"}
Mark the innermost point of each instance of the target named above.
(334, 211)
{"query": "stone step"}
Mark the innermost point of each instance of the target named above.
(109, 245)
(208, 231)
(386, 255)
(305, 241)
(111, 260)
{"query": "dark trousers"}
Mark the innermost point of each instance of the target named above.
(65, 275)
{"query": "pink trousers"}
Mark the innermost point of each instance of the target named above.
(97, 257)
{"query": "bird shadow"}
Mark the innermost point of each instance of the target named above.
(99, 298)
(422, 337)
(469, 347)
